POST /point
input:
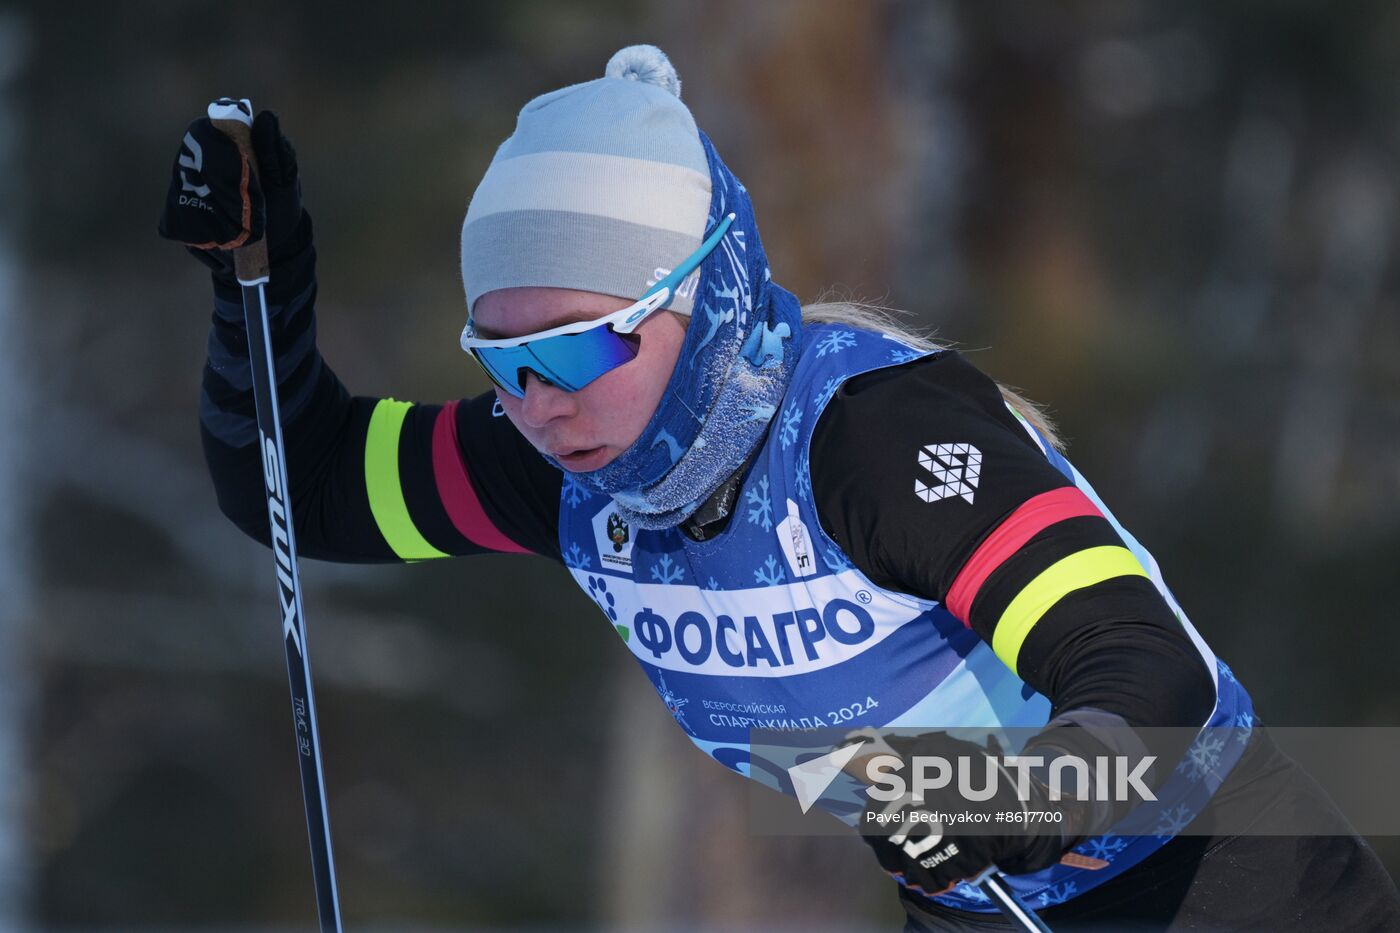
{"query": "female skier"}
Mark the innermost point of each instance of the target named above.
(792, 517)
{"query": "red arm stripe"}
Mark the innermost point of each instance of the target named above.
(455, 488)
(1033, 516)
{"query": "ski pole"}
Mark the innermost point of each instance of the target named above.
(992, 884)
(235, 119)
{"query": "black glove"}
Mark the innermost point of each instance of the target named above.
(216, 203)
(930, 857)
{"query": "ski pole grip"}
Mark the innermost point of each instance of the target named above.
(234, 118)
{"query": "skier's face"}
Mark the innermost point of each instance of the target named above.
(587, 429)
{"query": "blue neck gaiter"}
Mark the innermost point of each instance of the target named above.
(740, 350)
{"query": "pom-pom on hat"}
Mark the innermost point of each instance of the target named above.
(604, 187)
(647, 64)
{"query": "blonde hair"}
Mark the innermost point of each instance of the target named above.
(866, 316)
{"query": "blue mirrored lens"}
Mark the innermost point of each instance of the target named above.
(570, 361)
(503, 377)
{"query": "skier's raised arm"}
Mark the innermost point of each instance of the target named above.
(371, 479)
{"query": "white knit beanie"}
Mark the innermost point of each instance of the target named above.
(603, 187)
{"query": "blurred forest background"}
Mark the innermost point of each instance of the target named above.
(1172, 223)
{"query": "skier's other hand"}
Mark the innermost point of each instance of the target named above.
(931, 857)
(215, 203)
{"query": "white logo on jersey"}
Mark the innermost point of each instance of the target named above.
(955, 468)
(796, 543)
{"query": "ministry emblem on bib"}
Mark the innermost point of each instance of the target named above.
(614, 538)
(954, 469)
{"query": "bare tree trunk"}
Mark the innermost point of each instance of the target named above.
(16, 602)
(797, 96)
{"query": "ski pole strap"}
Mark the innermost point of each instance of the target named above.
(234, 118)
